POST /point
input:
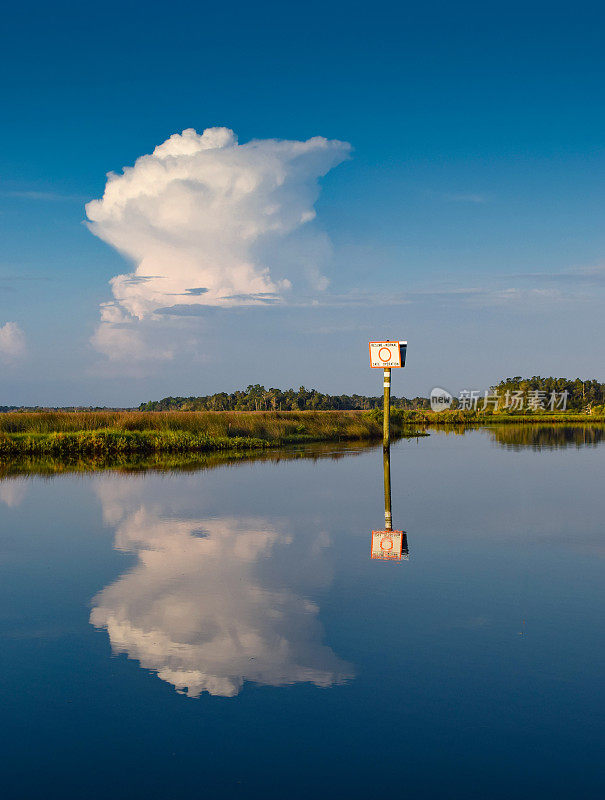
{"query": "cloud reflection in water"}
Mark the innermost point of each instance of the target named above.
(198, 611)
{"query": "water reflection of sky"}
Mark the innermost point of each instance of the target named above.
(12, 491)
(251, 586)
(194, 608)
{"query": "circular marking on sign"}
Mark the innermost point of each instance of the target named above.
(384, 350)
(386, 544)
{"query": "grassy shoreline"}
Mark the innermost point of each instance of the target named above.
(145, 433)
(75, 434)
(470, 418)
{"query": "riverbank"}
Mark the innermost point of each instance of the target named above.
(537, 436)
(467, 418)
(89, 434)
(77, 434)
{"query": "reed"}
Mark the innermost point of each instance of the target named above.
(458, 417)
(71, 434)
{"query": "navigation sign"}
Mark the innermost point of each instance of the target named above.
(385, 355)
(387, 545)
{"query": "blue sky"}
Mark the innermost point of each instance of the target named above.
(467, 219)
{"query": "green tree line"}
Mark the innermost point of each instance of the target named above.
(582, 395)
(258, 398)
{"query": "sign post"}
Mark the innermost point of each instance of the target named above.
(385, 356)
(386, 421)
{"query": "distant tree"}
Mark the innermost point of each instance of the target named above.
(586, 395)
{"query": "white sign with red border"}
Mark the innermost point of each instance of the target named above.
(387, 545)
(385, 355)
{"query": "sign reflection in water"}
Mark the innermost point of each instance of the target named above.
(205, 608)
(388, 545)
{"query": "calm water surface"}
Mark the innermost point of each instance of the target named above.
(224, 632)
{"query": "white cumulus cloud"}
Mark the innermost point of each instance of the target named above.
(12, 342)
(206, 221)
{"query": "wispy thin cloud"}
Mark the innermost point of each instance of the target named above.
(466, 197)
(12, 278)
(329, 330)
(463, 196)
(34, 194)
(581, 275)
(488, 296)
(254, 297)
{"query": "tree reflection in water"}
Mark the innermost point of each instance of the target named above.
(538, 437)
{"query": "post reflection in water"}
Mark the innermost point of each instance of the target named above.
(388, 517)
(208, 604)
(388, 545)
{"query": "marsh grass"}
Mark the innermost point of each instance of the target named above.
(267, 425)
(458, 417)
(70, 434)
(118, 441)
